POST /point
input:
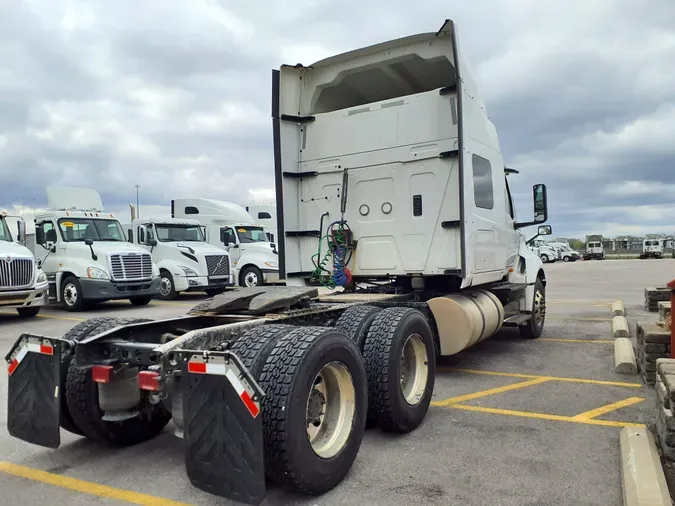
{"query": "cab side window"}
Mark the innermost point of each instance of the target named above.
(482, 182)
(45, 231)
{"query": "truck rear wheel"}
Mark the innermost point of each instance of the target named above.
(255, 346)
(400, 361)
(314, 412)
(81, 398)
(535, 326)
(356, 321)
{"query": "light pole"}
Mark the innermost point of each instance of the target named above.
(138, 210)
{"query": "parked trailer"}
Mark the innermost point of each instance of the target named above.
(280, 382)
(652, 248)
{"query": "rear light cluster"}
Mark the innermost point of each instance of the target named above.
(147, 380)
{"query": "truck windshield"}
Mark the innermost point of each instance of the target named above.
(251, 234)
(176, 232)
(4, 231)
(79, 229)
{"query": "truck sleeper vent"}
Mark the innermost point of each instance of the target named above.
(417, 205)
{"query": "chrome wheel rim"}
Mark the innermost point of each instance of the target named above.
(70, 294)
(331, 408)
(414, 369)
(539, 309)
(165, 286)
(251, 279)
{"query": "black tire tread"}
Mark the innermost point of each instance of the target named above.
(78, 398)
(356, 321)
(254, 346)
(528, 331)
(277, 378)
(376, 356)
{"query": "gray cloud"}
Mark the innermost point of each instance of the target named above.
(174, 95)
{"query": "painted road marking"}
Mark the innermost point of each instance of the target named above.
(154, 302)
(86, 487)
(53, 316)
(535, 376)
(491, 391)
(585, 341)
(543, 416)
(603, 410)
(579, 318)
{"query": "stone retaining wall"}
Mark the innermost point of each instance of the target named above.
(665, 399)
(654, 295)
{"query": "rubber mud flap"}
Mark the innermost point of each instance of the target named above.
(223, 436)
(33, 402)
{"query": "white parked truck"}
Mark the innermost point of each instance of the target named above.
(186, 262)
(386, 162)
(594, 248)
(23, 285)
(228, 225)
(266, 215)
(85, 254)
(565, 252)
(652, 248)
(547, 252)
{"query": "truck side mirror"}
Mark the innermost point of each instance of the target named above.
(544, 230)
(88, 242)
(130, 235)
(152, 242)
(21, 232)
(50, 235)
(39, 235)
(540, 203)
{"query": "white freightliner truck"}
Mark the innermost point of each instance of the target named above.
(186, 262)
(390, 182)
(565, 252)
(23, 285)
(228, 225)
(85, 254)
(546, 252)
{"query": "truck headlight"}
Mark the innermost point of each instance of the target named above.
(42, 277)
(188, 271)
(273, 265)
(96, 273)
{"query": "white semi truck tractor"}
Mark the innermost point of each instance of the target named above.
(23, 285)
(85, 254)
(391, 185)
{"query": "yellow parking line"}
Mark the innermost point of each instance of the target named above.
(591, 341)
(603, 410)
(86, 487)
(552, 378)
(53, 316)
(543, 416)
(492, 391)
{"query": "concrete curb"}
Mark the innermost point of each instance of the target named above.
(618, 309)
(642, 478)
(620, 327)
(624, 356)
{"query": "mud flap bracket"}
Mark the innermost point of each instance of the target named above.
(223, 433)
(33, 403)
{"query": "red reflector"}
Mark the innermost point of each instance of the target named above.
(101, 373)
(12, 367)
(46, 349)
(197, 367)
(253, 409)
(148, 380)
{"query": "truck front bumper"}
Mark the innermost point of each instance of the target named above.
(94, 289)
(38, 296)
(201, 283)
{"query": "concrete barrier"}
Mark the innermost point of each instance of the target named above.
(618, 309)
(620, 327)
(624, 357)
(642, 478)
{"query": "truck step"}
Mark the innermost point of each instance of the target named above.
(506, 286)
(517, 319)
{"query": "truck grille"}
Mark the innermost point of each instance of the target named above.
(218, 265)
(16, 272)
(131, 266)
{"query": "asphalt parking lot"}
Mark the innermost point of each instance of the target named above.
(513, 421)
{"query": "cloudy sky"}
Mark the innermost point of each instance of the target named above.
(174, 95)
